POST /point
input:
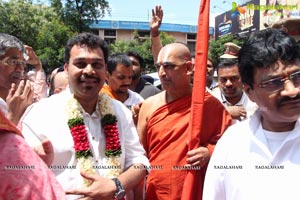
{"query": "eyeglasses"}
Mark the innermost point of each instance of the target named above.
(14, 62)
(276, 84)
(167, 65)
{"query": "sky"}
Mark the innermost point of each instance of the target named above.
(175, 11)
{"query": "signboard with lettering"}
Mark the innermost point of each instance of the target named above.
(273, 11)
(239, 20)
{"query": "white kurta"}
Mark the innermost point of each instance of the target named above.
(243, 168)
(48, 118)
(134, 98)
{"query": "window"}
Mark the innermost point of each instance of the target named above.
(110, 36)
(110, 33)
(191, 36)
(191, 42)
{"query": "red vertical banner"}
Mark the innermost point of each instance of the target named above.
(190, 191)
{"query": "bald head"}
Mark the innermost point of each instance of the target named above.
(174, 67)
(178, 51)
(60, 82)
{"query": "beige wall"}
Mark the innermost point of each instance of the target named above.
(124, 35)
(179, 37)
(101, 33)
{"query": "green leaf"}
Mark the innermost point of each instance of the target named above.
(75, 122)
(110, 153)
(108, 119)
(84, 154)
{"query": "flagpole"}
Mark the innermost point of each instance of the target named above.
(198, 95)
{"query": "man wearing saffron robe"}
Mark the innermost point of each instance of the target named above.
(163, 127)
(23, 174)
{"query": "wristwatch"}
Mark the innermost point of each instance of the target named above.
(120, 192)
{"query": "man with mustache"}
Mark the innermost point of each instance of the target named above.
(138, 83)
(16, 93)
(119, 77)
(230, 91)
(21, 170)
(259, 157)
(97, 153)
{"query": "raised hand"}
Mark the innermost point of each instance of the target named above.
(155, 22)
(18, 99)
(33, 59)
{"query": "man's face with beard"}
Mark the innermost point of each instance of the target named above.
(136, 67)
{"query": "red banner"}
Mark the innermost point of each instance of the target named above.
(189, 191)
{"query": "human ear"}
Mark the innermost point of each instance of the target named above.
(66, 69)
(249, 91)
(190, 67)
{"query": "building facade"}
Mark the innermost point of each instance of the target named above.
(113, 31)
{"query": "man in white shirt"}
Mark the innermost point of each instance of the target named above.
(259, 158)
(109, 157)
(119, 77)
(230, 91)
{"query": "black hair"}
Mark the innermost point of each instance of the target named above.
(263, 49)
(227, 62)
(9, 41)
(116, 59)
(137, 56)
(86, 39)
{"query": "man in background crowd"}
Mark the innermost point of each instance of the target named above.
(138, 83)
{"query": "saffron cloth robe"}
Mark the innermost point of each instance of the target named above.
(166, 146)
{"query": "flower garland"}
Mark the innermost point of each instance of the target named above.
(78, 130)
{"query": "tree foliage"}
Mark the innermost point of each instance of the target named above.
(51, 40)
(216, 47)
(142, 46)
(37, 26)
(47, 28)
(23, 19)
(78, 14)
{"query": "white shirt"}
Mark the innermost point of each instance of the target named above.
(134, 98)
(243, 167)
(3, 106)
(213, 84)
(48, 118)
(245, 102)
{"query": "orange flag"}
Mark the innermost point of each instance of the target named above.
(189, 192)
